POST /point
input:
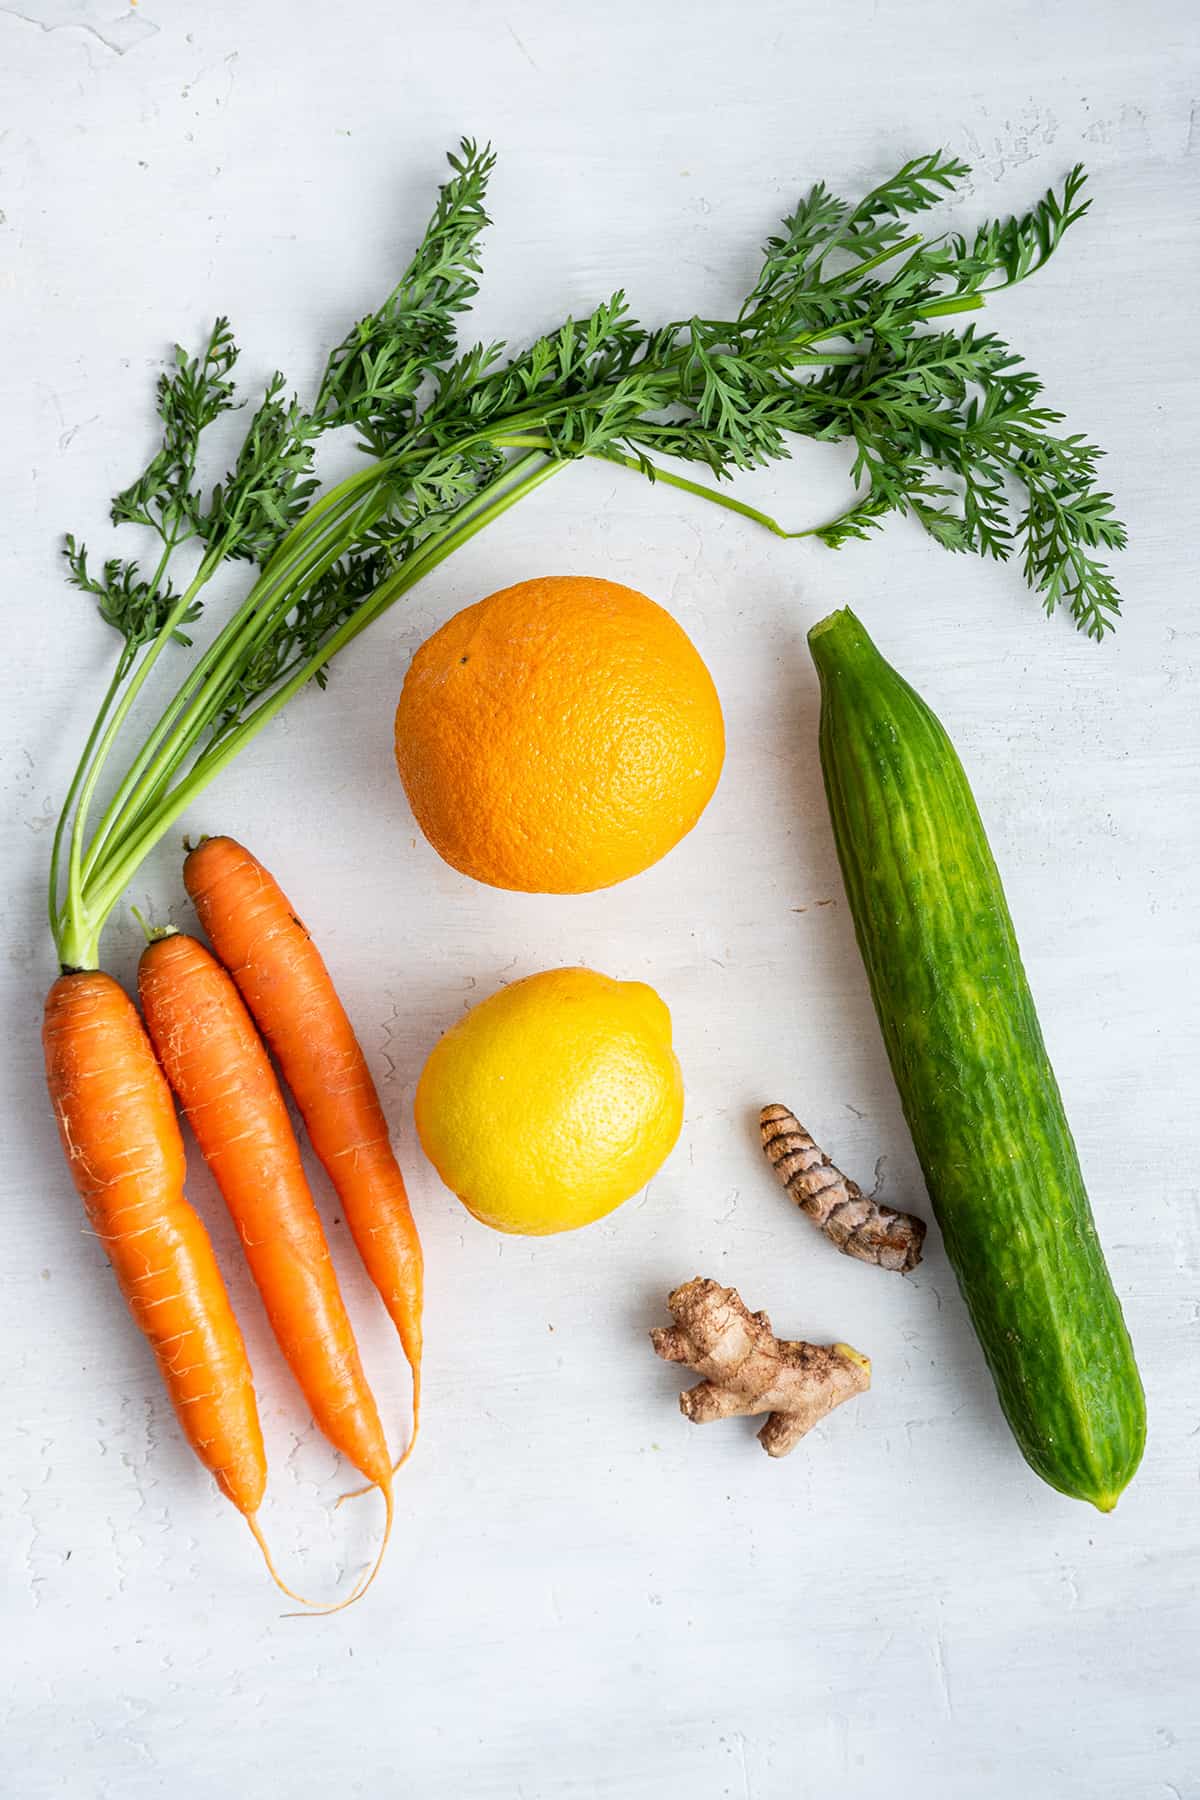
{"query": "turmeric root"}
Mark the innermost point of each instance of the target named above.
(851, 1220)
(747, 1369)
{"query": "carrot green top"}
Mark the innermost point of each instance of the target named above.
(841, 336)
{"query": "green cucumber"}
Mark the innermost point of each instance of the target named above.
(976, 1084)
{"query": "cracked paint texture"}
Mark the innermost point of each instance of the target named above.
(585, 1599)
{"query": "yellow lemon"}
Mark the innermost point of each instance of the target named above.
(552, 1102)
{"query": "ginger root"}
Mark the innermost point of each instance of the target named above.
(747, 1369)
(856, 1224)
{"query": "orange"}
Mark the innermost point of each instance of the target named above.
(559, 736)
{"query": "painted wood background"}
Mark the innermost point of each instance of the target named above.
(586, 1596)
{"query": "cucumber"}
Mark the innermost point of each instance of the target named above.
(976, 1084)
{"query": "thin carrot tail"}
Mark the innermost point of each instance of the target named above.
(412, 1436)
(358, 1492)
(416, 1413)
(256, 1533)
(368, 1578)
(315, 1609)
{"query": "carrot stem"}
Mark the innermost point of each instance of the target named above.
(205, 690)
(110, 694)
(153, 934)
(125, 857)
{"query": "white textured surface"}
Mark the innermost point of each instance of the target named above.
(585, 1596)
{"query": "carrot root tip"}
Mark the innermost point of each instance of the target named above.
(314, 1609)
(365, 1582)
(358, 1492)
(272, 1571)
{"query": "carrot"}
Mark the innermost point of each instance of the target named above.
(215, 1061)
(287, 988)
(121, 1139)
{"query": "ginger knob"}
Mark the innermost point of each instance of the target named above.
(747, 1369)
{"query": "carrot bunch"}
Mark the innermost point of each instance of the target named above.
(108, 1078)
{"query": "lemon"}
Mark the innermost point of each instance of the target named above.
(553, 1101)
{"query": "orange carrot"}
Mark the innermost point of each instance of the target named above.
(121, 1139)
(215, 1061)
(286, 985)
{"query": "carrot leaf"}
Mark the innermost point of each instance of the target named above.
(851, 332)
